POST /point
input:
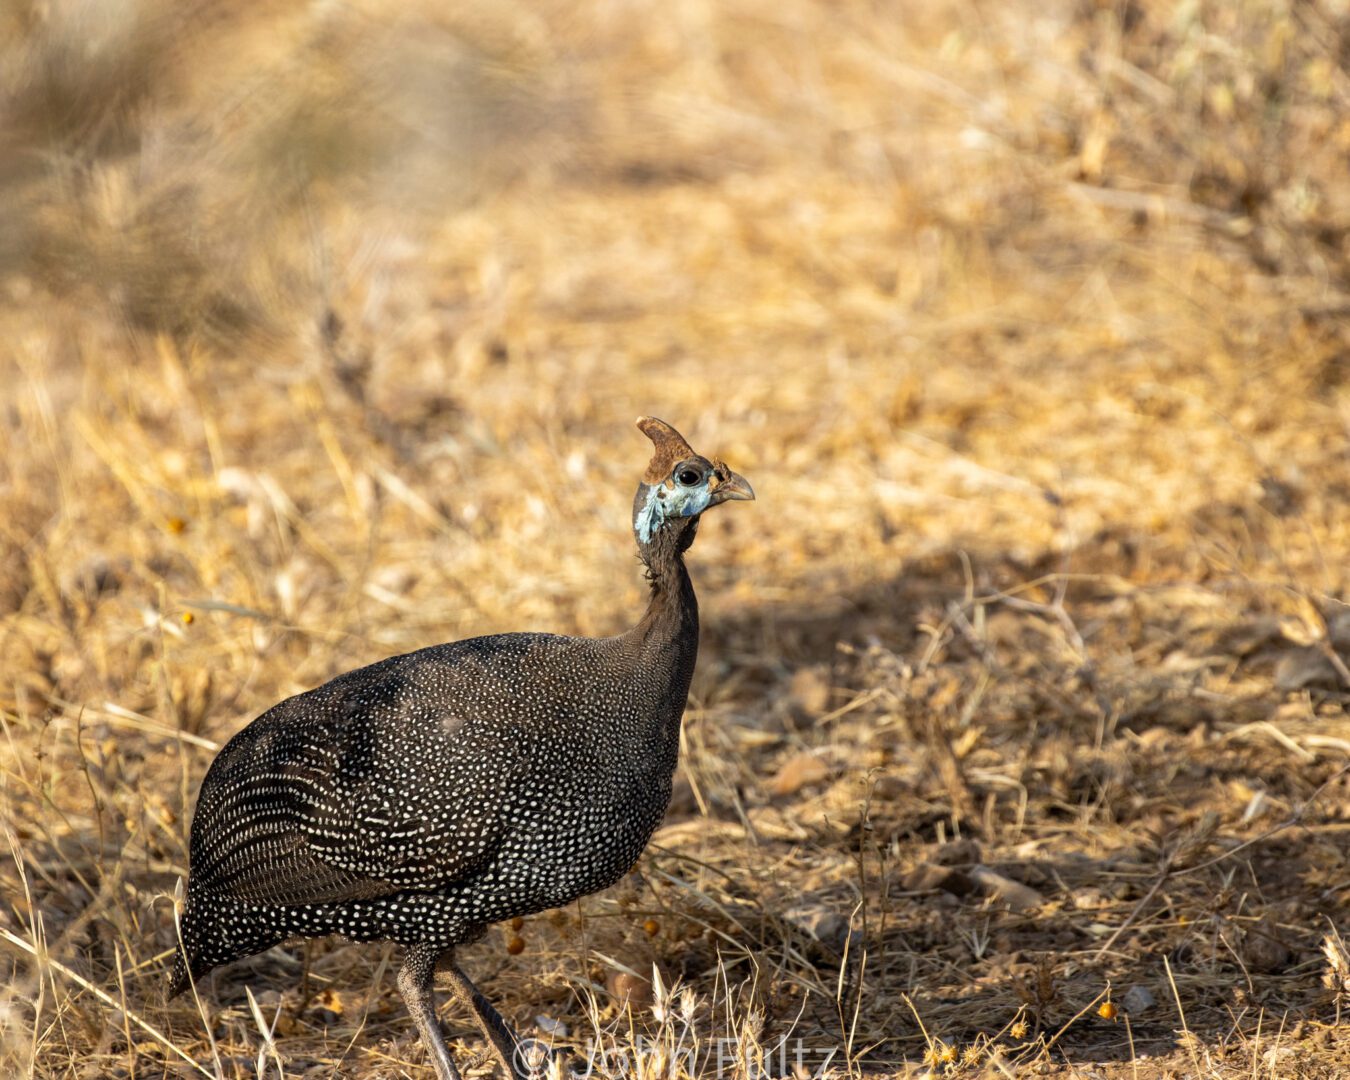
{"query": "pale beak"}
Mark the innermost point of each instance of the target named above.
(731, 486)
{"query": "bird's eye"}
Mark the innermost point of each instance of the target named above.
(687, 477)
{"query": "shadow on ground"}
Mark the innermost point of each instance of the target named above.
(1119, 751)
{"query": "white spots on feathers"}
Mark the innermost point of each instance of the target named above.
(424, 797)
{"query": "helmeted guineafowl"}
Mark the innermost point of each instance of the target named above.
(427, 796)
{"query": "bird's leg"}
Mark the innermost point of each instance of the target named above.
(415, 984)
(500, 1037)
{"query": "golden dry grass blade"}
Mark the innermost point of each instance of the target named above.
(46, 962)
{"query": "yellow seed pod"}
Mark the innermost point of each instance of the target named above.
(189, 618)
(1019, 1030)
(517, 923)
(1107, 1010)
(515, 945)
(652, 927)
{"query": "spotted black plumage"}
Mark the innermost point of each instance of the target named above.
(429, 795)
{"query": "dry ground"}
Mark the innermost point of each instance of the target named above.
(1024, 682)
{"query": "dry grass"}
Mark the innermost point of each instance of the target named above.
(1024, 685)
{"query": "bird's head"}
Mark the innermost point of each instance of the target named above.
(679, 485)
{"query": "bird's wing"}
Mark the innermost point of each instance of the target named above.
(352, 791)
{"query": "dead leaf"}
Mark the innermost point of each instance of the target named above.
(1017, 896)
(797, 772)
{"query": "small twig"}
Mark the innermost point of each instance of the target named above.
(116, 716)
(1055, 611)
(1138, 909)
(1076, 1017)
(1296, 818)
(928, 1039)
(857, 702)
(1176, 994)
(267, 1031)
(1266, 727)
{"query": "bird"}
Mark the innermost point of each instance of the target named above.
(425, 797)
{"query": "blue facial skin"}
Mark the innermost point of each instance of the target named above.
(671, 499)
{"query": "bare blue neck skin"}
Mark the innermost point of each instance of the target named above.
(670, 625)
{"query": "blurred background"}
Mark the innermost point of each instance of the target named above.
(322, 331)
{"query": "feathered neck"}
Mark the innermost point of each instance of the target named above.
(673, 607)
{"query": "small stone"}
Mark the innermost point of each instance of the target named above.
(629, 989)
(1089, 899)
(927, 877)
(827, 926)
(1263, 952)
(1137, 999)
(797, 772)
(957, 853)
(1017, 896)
